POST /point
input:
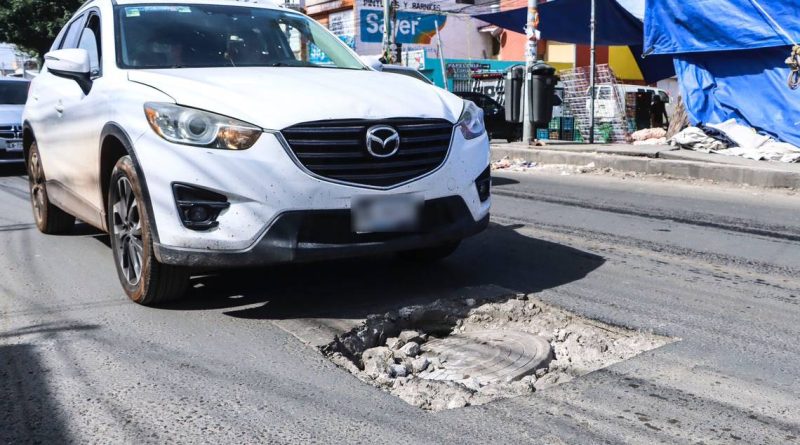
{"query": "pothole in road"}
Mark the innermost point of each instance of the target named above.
(455, 353)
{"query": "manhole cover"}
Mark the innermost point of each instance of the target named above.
(488, 356)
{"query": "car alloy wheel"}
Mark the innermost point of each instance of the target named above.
(127, 230)
(36, 182)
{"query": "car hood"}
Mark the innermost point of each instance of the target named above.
(11, 114)
(276, 98)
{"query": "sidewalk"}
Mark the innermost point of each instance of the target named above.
(658, 160)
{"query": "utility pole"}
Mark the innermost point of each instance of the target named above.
(593, 70)
(441, 54)
(530, 59)
(387, 31)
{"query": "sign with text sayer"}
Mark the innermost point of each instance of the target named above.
(412, 27)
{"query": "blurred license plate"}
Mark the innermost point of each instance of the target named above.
(14, 146)
(391, 213)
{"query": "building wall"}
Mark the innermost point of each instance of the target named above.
(460, 34)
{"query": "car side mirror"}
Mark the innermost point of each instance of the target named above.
(372, 62)
(72, 63)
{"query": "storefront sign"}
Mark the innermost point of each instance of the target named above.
(414, 59)
(412, 27)
(416, 28)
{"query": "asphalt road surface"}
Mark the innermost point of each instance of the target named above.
(716, 267)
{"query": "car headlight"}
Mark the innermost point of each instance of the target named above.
(189, 126)
(471, 121)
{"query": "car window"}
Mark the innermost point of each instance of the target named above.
(90, 41)
(71, 37)
(13, 93)
(200, 35)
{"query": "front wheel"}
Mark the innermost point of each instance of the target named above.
(145, 280)
(429, 254)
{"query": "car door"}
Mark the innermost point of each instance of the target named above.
(44, 107)
(81, 119)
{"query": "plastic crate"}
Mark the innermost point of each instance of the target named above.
(554, 135)
(542, 134)
(567, 123)
(555, 124)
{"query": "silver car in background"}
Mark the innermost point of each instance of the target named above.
(13, 95)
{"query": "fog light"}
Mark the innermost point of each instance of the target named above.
(484, 184)
(198, 208)
(198, 213)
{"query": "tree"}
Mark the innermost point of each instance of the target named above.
(32, 25)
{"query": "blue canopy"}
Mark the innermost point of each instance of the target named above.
(568, 21)
(512, 19)
(729, 58)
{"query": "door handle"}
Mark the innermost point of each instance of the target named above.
(60, 108)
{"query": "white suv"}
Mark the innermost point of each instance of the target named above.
(212, 134)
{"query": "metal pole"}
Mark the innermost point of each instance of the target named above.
(593, 68)
(386, 22)
(530, 59)
(441, 54)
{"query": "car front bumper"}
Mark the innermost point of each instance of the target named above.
(273, 202)
(314, 235)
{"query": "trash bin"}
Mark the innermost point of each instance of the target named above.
(513, 93)
(542, 93)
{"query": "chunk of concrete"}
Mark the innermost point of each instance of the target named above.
(410, 349)
(376, 360)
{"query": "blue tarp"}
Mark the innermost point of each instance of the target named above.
(749, 86)
(568, 21)
(729, 59)
(680, 26)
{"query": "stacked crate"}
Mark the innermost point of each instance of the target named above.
(559, 129)
(554, 128)
(567, 129)
(630, 111)
(543, 134)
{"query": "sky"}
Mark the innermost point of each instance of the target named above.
(636, 7)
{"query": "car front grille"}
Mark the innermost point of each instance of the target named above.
(11, 132)
(336, 150)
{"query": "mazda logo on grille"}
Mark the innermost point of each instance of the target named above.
(383, 141)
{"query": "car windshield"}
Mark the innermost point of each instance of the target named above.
(187, 36)
(13, 93)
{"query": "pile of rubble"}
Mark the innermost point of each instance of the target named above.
(402, 351)
(515, 165)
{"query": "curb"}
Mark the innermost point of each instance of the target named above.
(735, 174)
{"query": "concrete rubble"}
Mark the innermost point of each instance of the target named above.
(389, 351)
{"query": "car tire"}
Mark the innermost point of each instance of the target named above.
(49, 218)
(144, 279)
(429, 254)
